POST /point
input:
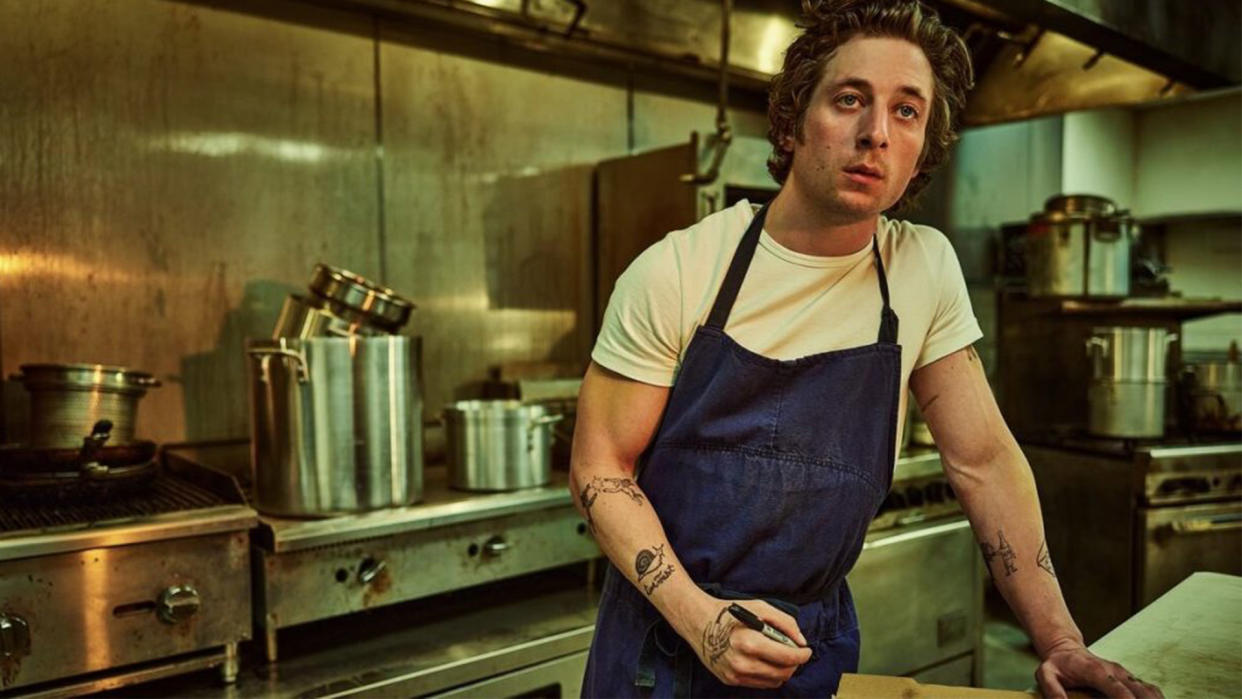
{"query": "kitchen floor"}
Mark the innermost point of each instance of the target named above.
(1009, 660)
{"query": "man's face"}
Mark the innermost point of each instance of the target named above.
(864, 128)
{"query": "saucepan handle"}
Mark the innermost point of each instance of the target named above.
(265, 353)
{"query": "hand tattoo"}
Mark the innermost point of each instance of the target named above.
(1044, 560)
(1003, 549)
(716, 636)
(598, 485)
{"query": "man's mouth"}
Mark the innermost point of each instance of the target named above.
(865, 170)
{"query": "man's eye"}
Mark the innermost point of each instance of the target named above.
(847, 100)
(907, 111)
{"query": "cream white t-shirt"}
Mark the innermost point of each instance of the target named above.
(790, 305)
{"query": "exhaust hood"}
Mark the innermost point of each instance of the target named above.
(1031, 57)
(1037, 57)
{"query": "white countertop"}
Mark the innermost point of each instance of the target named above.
(1188, 642)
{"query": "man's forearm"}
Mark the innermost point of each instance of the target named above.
(1001, 501)
(630, 534)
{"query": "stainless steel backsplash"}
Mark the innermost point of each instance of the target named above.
(171, 171)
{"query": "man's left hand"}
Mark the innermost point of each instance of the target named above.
(1073, 666)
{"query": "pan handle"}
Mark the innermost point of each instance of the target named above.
(266, 353)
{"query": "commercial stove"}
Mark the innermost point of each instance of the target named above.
(1126, 520)
(307, 570)
(124, 586)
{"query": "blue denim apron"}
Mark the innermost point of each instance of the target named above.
(765, 474)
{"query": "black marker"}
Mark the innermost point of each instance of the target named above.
(748, 618)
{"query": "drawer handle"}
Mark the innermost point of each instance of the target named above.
(495, 546)
(1207, 524)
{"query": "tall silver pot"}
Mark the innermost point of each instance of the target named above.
(337, 425)
(1079, 245)
(1126, 396)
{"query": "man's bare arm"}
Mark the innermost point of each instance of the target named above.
(616, 420)
(993, 481)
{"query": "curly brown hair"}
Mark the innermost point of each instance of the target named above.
(826, 26)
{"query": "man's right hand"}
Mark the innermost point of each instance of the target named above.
(742, 657)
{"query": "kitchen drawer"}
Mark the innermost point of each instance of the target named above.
(317, 583)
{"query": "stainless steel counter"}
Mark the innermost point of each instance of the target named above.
(441, 506)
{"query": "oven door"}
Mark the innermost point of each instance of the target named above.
(1174, 542)
(919, 594)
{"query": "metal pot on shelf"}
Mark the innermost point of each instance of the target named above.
(1126, 395)
(498, 445)
(1079, 245)
(68, 400)
(336, 424)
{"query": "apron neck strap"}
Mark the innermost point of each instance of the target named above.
(741, 262)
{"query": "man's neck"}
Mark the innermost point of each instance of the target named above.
(797, 225)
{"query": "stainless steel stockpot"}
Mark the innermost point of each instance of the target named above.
(67, 400)
(1126, 396)
(498, 445)
(382, 306)
(1079, 245)
(337, 425)
(1214, 391)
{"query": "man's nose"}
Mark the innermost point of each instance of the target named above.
(873, 130)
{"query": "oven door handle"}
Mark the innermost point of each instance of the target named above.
(1206, 524)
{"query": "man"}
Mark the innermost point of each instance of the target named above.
(755, 365)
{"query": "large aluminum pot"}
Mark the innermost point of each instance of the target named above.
(498, 444)
(1079, 245)
(1126, 396)
(1215, 395)
(67, 400)
(336, 424)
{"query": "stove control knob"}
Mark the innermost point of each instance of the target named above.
(14, 637)
(177, 603)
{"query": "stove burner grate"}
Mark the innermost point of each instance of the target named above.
(167, 494)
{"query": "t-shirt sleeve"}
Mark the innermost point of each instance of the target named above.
(953, 324)
(641, 333)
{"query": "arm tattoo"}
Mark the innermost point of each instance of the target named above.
(1002, 549)
(716, 636)
(971, 354)
(651, 570)
(598, 485)
(1044, 560)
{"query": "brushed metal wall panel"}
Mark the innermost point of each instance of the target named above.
(487, 180)
(170, 172)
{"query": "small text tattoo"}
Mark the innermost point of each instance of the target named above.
(716, 636)
(1044, 560)
(1002, 549)
(659, 579)
(599, 485)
